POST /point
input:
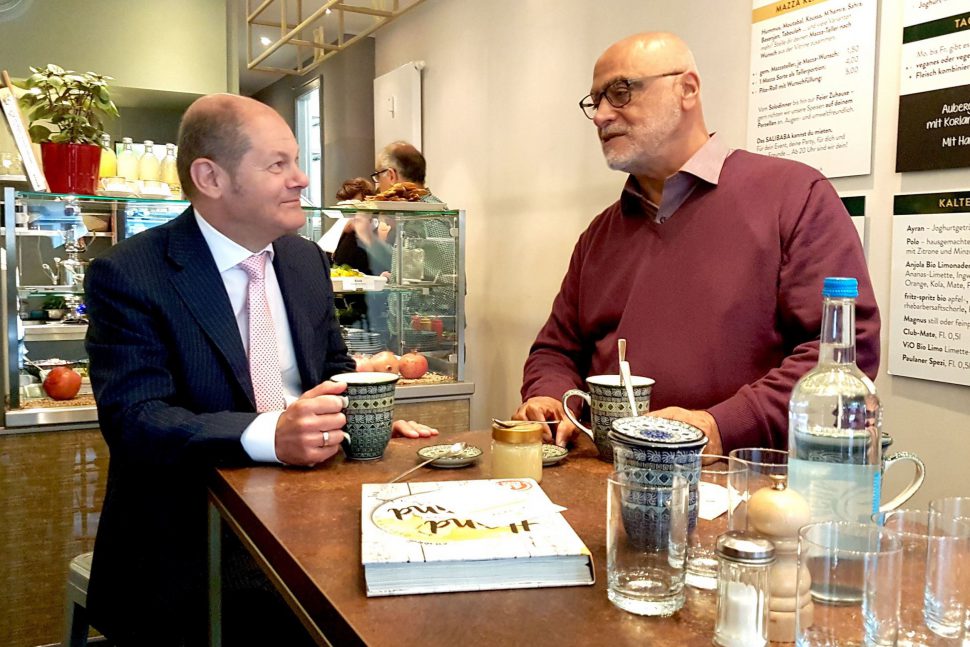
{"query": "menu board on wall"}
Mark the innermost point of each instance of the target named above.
(855, 205)
(812, 70)
(934, 88)
(929, 319)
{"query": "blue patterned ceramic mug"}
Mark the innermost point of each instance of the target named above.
(607, 402)
(370, 405)
(656, 452)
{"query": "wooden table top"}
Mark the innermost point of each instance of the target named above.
(306, 523)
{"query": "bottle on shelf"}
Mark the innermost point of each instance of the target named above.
(127, 161)
(109, 162)
(148, 165)
(834, 420)
(169, 170)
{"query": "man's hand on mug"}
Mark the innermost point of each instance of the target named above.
(412, 429)
(542, 408)
(700, 419)
(309, 431)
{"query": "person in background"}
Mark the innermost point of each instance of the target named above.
(211, 342)
(353, 308)
(348, 251)
(710, 264)
(402, 162)
(397, 162)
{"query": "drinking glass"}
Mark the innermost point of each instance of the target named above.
(750, 470)
(646, 543)
(715, 500)
(928, 561)
(855, 571)
(947, 595)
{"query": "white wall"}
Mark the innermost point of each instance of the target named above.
(505, 140)
(175, 45)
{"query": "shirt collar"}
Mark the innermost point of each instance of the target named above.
(704, 165)
(226, 252)
(707, 161)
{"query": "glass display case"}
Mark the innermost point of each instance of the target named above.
(399, 284)
(416, 307)
(48, 241)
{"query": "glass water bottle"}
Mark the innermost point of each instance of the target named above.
(834, 420)
(109, 163)
(127, 161)
(169, 170)
(148, 165)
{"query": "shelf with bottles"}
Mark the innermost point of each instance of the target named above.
(145, 170)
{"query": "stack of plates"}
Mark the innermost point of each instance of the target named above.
(361, 341)
(421, 340)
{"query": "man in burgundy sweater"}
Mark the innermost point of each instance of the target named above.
(711, 264)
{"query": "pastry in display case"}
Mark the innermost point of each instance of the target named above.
(53, 239)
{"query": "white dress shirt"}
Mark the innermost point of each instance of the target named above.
(259, 438)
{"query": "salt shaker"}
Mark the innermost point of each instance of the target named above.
(742, 590)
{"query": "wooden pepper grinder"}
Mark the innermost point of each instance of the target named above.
(777, 513)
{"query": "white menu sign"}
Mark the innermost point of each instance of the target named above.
(929, 333)
(812, 70)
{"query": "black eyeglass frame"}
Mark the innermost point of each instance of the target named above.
(377, 174)
(626, 84)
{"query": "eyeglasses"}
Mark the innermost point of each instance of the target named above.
(377, 174)
(619, 93)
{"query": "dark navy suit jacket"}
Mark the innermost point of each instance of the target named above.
(172, 385)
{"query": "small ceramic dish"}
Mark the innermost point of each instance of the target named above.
(467, 456)
(552, 454)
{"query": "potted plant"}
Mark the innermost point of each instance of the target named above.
(65, 109)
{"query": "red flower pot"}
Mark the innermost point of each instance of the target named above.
(71, 168)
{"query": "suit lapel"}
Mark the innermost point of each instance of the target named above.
(198, 282)
(298, 296)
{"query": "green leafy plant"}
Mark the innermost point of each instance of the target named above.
(65, 106)
(54, 302)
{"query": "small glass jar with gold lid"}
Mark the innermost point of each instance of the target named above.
(517, 450)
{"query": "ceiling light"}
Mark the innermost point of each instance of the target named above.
(265, 41)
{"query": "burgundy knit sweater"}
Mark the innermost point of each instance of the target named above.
(721, 303)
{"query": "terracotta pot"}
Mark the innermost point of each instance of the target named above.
(71, 168)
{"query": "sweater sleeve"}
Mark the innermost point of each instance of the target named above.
(560, 356)
(818, 240)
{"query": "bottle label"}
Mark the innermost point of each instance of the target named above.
(836, 491)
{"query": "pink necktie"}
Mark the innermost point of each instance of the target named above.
(264, 363)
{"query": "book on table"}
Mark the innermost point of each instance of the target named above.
(467, 536)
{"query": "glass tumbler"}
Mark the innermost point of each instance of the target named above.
(715, 500)
(855, 575)
(646, 542)
(947, 596)
(931, 573)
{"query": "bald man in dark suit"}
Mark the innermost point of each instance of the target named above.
(171, 342)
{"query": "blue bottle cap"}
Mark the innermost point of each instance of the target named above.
(840, 287)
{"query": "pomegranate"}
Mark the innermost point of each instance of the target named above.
(413, 365)
(62, 383)
(384, 361)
